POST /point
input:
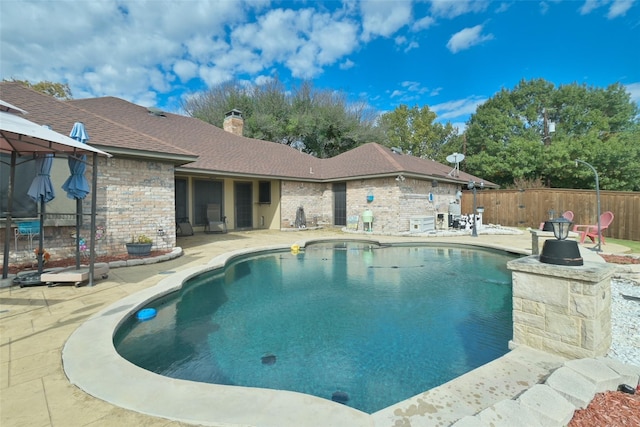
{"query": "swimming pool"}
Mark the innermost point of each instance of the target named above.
(375, 324)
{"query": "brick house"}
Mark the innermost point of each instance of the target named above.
(167, 167)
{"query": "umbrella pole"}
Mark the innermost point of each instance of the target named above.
(41, 239)
(92, 238)
(7, 228)
(78, 221)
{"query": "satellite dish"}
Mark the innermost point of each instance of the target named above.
(455, 158)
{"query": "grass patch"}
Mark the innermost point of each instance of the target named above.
(631, 244)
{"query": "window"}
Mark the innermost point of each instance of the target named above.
(264, 192)
(181, 200)
(205, 192)
(23, 205)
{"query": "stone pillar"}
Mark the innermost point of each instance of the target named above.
(560, 309)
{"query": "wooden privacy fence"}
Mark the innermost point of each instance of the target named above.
(528, 208)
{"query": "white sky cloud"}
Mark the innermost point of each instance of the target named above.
(185, 70)
(423, 23)
(503, 7)
(616, 7)
(634, 90)
(346, 64)
(619, 8)
(261, 80)
(384, 18)
(466, 38)
(451, 9)
(458, 108)
(410, 46)
(588, 6)
(148, 51)
(415, 87)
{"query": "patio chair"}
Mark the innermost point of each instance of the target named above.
(28, 229)
(183, 227)
(591, 231)
(215, 222)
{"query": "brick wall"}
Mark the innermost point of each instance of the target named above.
(394, 202)
(135, 197)
(315, 199)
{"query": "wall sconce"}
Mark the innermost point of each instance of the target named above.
(561, 251)
(370, 197)
(400, 178)
(434, 183)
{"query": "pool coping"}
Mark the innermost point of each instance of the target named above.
(91, 363)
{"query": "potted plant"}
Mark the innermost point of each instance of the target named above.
(140, 245)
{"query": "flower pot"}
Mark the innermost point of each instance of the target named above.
(139, 249)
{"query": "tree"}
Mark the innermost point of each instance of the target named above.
(414, 131)
(57, 90)
(510, 137)
(319, 122)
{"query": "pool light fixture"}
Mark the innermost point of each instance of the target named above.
(561, 251)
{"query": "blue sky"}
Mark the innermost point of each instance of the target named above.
(449, 55)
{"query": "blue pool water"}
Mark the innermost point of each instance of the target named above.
(376, 324)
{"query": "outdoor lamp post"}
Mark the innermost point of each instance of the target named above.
(472, 186)
(598, 247)
(561, 251)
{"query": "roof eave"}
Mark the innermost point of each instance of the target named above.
(177, 159)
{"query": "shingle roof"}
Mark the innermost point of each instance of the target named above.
(218, 150)
(374, 159)
(203, 148)
(103, 132)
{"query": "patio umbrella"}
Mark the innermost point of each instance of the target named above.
(77, 185)
(41, 190)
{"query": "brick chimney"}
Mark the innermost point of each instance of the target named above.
(233, 122)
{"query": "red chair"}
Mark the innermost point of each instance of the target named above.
(591, 231)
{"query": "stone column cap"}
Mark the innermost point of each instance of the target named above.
(589, 272)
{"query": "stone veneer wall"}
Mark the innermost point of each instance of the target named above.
(394, 202)
(560, 309)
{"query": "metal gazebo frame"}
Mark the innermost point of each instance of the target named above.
(21, 137)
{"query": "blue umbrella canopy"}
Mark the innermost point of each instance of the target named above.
(77, 185)
(41, 189)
